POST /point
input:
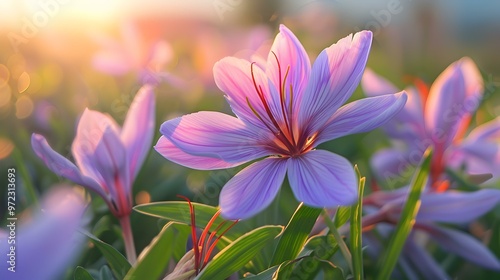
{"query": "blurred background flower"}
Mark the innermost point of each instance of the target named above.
(47, 241)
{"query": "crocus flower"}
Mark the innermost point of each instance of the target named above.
(135, 53)
(107, 157)
(450, 207)
(284, 109)
(47, 244)
(439, 117)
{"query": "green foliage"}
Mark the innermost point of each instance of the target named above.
(342, 215)
(295, 234)
(119, 265)
(356, 231)
(238, 253)
(82, 274)
(407, 219)
(178, 211)
(156, 257)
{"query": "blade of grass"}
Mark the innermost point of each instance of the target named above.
(342, 246)
(407, 219)
(356, 231)
(28, 184)
(82, 274)
(178, 211)
(295, 234)
(233, 257)
(118, 263)
(155, 258)
(342, 216)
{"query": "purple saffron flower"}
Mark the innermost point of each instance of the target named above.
(45, 246)
(107, 157)
(450, 207)
(136, 52)
(284, 109)
(439, 117)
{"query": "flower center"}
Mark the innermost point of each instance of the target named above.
(290, 140)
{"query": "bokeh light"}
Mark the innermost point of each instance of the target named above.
(6, 148)
(24, 107)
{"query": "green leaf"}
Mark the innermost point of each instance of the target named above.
(331, 271)
(407, 219)
(356, 233)
(307, 268)
(320, 248)
(155, 258)
(295, 234)
(105, 273)
(285, 270)
(238, 253)
(264, 275)
(178, 211)
(82, 274)
(28, 186)
(342, 216)
(102, 225)
(119, 265)
(340, 241)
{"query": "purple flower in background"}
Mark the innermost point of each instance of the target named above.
(49, 243)
(284, 109)
(450, 207)
(107, 157)
(440, 119)
(138, 53)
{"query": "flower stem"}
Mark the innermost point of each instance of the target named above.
(342, 246)
(128, 239)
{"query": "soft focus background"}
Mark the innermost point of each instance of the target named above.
(48, 75)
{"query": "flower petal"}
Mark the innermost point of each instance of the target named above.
(452, 98)
(421, 260)
(389, 164)
(334, 77)
(476, 157)
(463, 245)
(173, 153)
(362, 115)
(487, 131)
(457, 207)
(479, 152)
(98, 150)
(410, 120)
(112, 62)
(61, 166)
(224, 141)
(234, 77)
(48, 244)
(111, 162)
(375, 85)
(322, 179)
(293, 59)
(138, 129)
(252, 189)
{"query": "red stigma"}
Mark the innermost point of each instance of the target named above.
(204, 247)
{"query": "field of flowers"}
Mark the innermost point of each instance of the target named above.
(231, 139)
